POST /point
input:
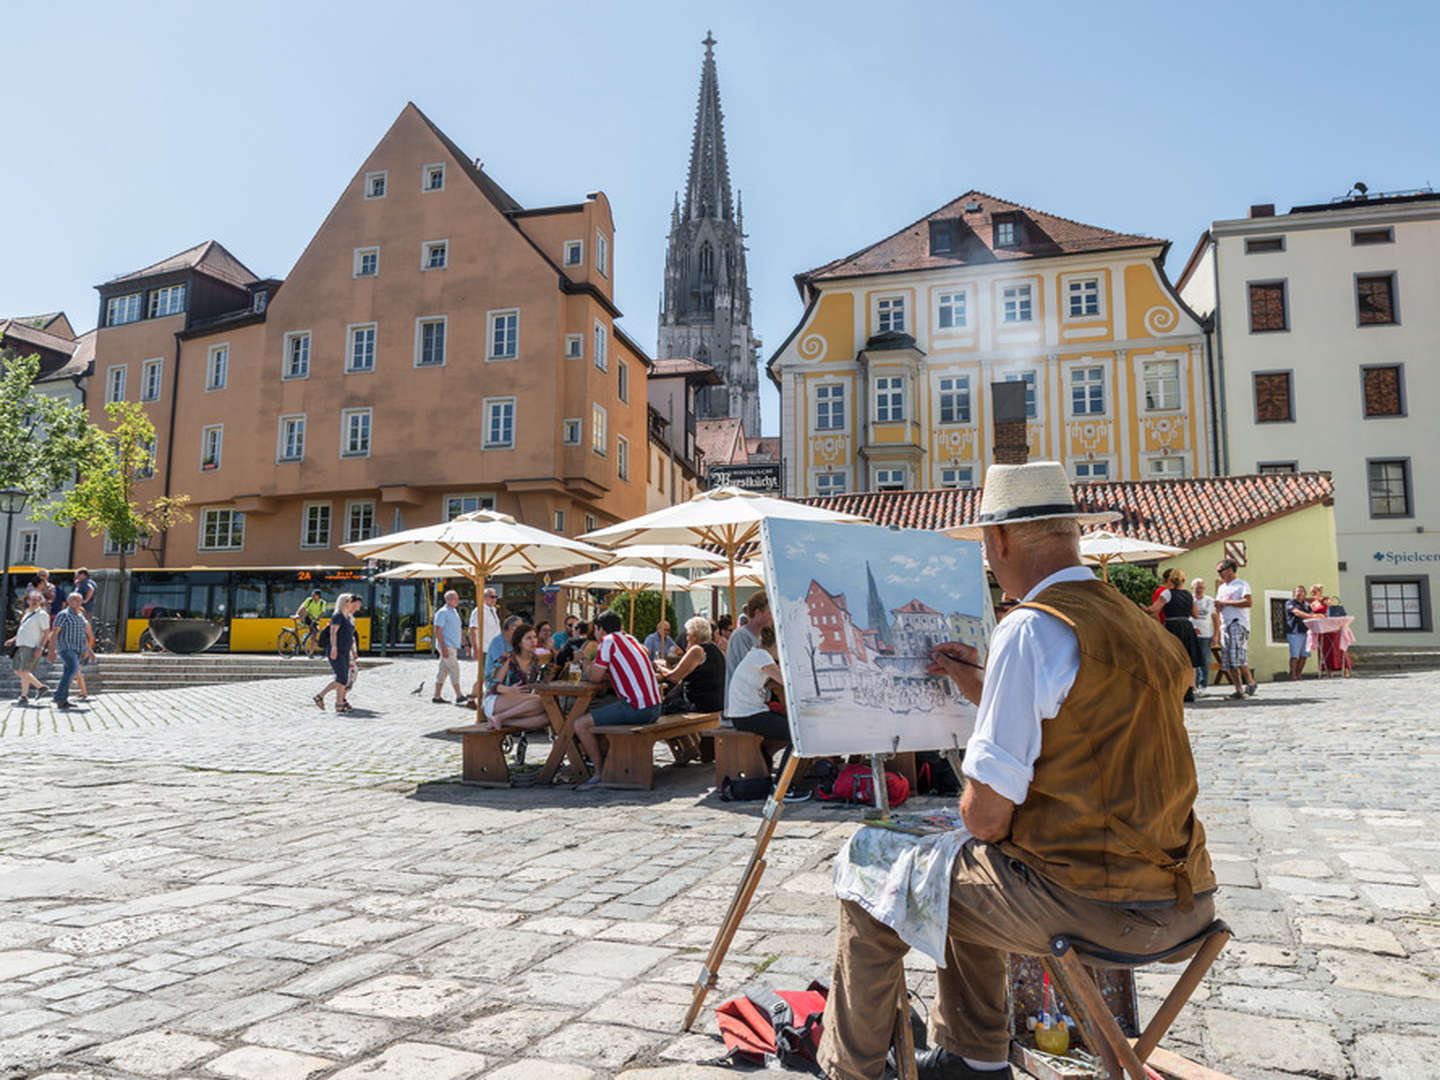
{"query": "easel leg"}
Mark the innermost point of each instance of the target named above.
(743, 893)
(904, 1041)
(882, 790)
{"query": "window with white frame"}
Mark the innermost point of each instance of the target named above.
(151, 374)
(600, 346)
(504, 336)
(222, 530)
(622, 380)
(112, 549)
(375, 185)
(1028, 378)
(499, 423)
(291, 445)
(355, 432)
(574, 346)
(622, 457)
(115, 383)
(951, 310)
(367, 262)
(589, 523)
(259, 301)
(570, 431)
(145, 460)
(315, 526)
(602, 254)
(599, 437)
(889, 399)
(559, 522)
(1398, 603)
(954, 399)
(1017, 303)
(1166, 468)
(169, 300)
(1162, 384)
(455, 505)
(435, 255)
(958, 477)
(1092, 472)
(830, 406)
(360, 353)
(212, 438)
(829, 483)
(1087, 391)
(433, 177)
(1082, 298)
(120, 310)
(574, 253)
(1007, 233)
(217, 367)
(297, 355)
(359, 520)
(430, 341)
(890, 314)
(29, 545)
(889, 479)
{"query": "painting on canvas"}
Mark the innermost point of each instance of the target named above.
(857, 609)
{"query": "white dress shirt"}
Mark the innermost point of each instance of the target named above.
(1032, 663)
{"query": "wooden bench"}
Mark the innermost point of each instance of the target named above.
(736, 753)
(482, 761)
(630, 750)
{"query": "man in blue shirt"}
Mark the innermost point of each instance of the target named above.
(1297, 631)
(660, 645)
(71, 634)
(499, 645)
(449, 634)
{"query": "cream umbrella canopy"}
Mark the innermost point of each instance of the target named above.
(727, 518)
(750, 575)
(629, 578)
(414, 570)
(666, 558)
(1102, 547)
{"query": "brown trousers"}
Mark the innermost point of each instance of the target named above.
(997, 906)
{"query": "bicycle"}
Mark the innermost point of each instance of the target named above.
(293, 639)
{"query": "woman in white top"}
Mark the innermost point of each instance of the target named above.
(1207, 627)
(29, 637)
(747, 696)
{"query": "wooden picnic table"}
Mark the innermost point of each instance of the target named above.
(563, 725)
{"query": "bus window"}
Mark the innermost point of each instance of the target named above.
(247, 592)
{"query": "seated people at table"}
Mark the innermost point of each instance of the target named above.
(575, 640)
(660, 645)
(485, 672)
(1079, 806)
(699, 675)
(747, 696)
(591, 645)
(544, 641)
(565, 633)
(622, 661)
(508, 700)
(755, 618)
(724, 627)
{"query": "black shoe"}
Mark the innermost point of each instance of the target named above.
(44, 691)
(438, 701)
(939, 1064)
(1190, 695)
(1250, 690)
(63, 705)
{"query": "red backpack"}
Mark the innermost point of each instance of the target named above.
(856, 784)
(765, 1025)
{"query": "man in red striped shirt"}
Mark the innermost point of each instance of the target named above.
(626, 663)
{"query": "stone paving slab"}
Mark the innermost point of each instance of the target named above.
(234, 884)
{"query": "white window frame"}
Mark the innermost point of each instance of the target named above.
(1094, 377)
(622, 380)
(285, 366)
(280, 438)
(442, 321)
(1160, 381)
(236, 525)
(888, 308)
(161, 306)
(574, 346)
(599, 430)
(1383, 585)
(590, 523)
(425, 174)
(489, 404)
(570, 430)
(483, 501)
(890, 405)
(345, 418)
(305, 510)
(601, 345)
(442, 246)
(112, 549)
(622, 457)
(559, 522)
(602, 254)
(947, 298)
(960, 387)
(1173, 467)
(352, 332)
(831, 479)
(1067, 282)
(492, 319)
(152, 371)
(950, 476)
(145, 470)
(205, 432)
(1082, 470)
(357, 268)
(352, 535)
(29, 546)
(832, 401)
(220, 366)
(1017, 303)
(578, 248)
(115, 386)
(130, 306)
(383, 175)
(892, 474)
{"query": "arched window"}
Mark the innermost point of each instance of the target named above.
(707, 263)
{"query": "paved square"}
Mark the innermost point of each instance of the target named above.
(226, 882)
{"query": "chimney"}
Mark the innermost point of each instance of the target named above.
(1007, 405)
(1264, 209)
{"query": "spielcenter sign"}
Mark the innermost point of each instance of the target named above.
(759, 478)
(1405, 558)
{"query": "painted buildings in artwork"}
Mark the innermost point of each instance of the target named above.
(884, 382)
(917, 628)
(838, 642)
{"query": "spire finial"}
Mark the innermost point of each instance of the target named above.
(709, 42)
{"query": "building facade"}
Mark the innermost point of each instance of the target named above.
(1324, 329)
(705, 306)
(437, 348)
(884, 382)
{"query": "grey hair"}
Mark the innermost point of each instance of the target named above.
(698, 628)
(340, 602)
(1197, 583)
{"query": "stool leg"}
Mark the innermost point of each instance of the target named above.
(904, 1040)
(1180, 994)
(1093, 1003)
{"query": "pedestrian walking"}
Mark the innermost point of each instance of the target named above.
(342, 647)
(1207, 629)
(71, 636)
(449, 636)
(29, 640)
(1233, 598)
(85, 586)
(1176, 606)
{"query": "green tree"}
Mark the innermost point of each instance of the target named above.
(44, 439)
(103, 499)
(647, 612)
(1137, 582)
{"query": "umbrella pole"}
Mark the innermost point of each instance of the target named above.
(632, 612)
(479, 578)
(663, 597)
(734, 610)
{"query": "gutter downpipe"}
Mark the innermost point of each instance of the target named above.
(1222, 427)
(170, 437)
(79, 385)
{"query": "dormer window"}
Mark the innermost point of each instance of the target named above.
(944, 237)
(1007, 230)
(258, 301)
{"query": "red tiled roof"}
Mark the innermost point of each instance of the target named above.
(15, 330)
(722, 440)
(838, 599)
(671, 366)
(1185, 513)
(209, 258)
(763, 446)
(914, 607)
(1043, 234)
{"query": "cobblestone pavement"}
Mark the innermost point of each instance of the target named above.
(226, 882)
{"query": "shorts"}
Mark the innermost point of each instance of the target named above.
(1299, 650)
(341, 667)
(488, 705)
(25, 658)
(1235, 647)
(621, 713)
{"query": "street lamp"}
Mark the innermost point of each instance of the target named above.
(12, 501)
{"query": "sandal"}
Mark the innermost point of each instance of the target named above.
(319, 700)
(347, 707)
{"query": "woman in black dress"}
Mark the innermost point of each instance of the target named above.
(342, 648)
(700, 671)
(1176, 606)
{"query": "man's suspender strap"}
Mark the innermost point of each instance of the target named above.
(1048, 610)
(1153, 852)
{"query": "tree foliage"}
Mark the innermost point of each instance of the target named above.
(44, 439)
(647, 613)
(1137, 582)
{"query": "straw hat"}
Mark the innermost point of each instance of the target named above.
(1037, 491)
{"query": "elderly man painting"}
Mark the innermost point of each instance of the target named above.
(1079, 799)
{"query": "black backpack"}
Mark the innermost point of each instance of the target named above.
(323, 638)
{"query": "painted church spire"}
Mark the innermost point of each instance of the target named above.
(707, 190)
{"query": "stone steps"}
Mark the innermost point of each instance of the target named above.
(117, 672)
(1384, 659)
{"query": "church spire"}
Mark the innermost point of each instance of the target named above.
(707, 192)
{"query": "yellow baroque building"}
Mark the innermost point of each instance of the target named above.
(884, 383)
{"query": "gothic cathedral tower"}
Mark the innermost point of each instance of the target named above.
(705, 310)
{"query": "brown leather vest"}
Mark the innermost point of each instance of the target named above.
(1110, 811)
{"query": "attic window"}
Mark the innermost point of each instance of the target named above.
(1007, 230)
(943, 237)
(375, 185)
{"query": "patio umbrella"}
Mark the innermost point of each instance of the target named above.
(629, 578)
(726, 518)
(414, 570)
(480, 545)
(666, 558)
(749, 575)
(1102, 547)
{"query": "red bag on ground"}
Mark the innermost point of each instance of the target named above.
(856, 783)
(781, 1024)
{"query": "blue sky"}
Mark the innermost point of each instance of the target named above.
(136, 132)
